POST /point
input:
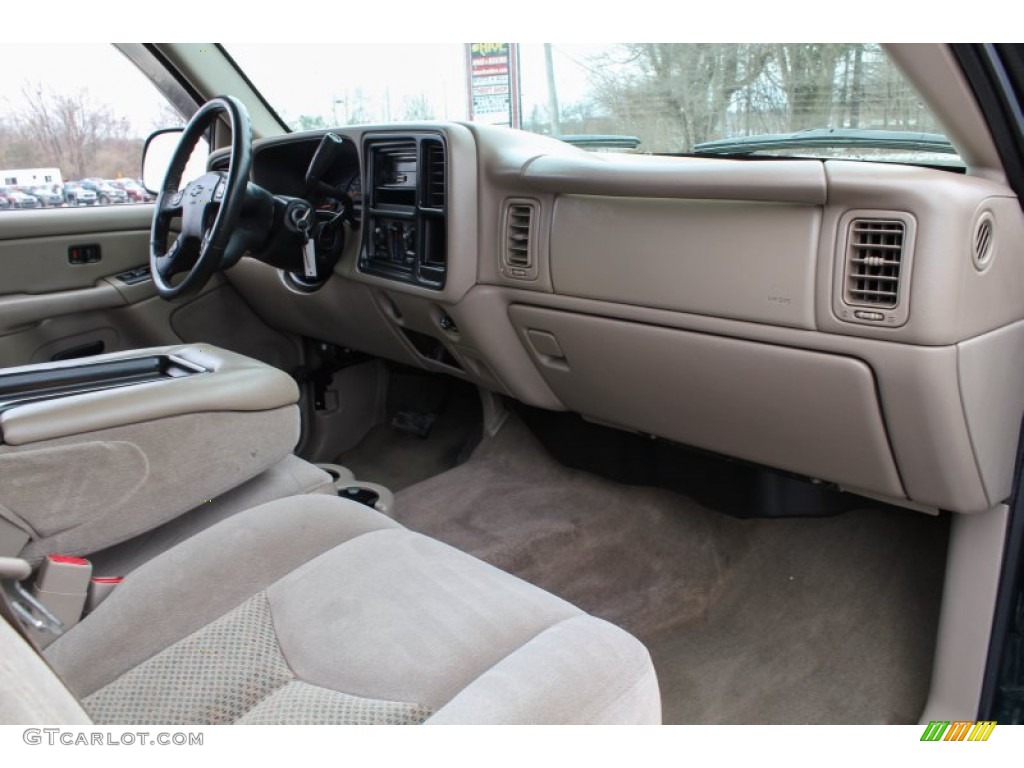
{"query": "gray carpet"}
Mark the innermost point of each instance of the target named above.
(828, 620)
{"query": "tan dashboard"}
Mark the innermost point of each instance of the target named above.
(856, 323)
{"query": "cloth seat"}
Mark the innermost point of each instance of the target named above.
(316, 609)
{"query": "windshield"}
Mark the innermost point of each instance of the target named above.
(635, 97)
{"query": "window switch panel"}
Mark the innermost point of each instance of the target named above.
(83, 254)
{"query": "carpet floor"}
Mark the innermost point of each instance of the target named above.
(811, 620)
(397, 460)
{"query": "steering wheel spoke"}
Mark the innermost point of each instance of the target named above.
(180, 257)
(169, 204)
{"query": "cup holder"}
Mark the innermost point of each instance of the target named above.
(370, 494)
(366, 496)
(341, 476)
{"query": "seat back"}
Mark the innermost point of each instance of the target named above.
(30, 692)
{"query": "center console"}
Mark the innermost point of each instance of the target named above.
(405, 209)
(96, 451)
(48, 383)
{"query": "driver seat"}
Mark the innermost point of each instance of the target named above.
(318, 610)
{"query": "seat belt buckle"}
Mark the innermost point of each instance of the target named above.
(100, 588)
(62, 585)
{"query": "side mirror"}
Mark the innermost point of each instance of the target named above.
(157, 154)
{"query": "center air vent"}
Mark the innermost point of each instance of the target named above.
(434, 169)
(874, 265)
(405, 229)
(519, 254)
(394, 173)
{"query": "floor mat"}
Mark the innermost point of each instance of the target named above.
(748, 621)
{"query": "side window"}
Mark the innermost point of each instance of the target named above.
(72, 127)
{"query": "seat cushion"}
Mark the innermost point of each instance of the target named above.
(320, 610)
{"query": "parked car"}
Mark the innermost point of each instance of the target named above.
(106, 193)
(75, 194)
(135, 191)
(19, 199)
(48, 197)
(5, 204)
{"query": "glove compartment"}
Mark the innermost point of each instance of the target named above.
(812, 413)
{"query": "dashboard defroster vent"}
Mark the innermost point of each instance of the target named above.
(875, 267)
(519, 253)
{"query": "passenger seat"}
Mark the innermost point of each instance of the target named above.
(318, 610)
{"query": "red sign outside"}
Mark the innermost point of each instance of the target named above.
(493, 72)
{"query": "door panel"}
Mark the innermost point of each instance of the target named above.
(35, 246)
(50, 307)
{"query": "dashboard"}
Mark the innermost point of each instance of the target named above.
(857, 324)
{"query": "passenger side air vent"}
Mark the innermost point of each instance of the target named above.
(874, 267)
(434, 168)
(519, 259)
(519, 218)
(875, 256)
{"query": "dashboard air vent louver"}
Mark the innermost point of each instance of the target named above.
(874, 260)
(984, 242)
(434, 169)
(518, 243)
(394, 173)
(404, 153)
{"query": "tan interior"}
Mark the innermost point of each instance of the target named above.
(93, 468)
(745, 269)
(706, 302)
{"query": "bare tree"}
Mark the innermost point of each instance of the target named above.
(67, 130)
(168, 117)
(681, 94)
(357, 108)
(676, 96)
(809, 77)
(417, 108)
(310, 122)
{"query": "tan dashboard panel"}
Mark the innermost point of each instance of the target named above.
(990, 369)
(812, 413)
(946, 296)
(740, 260)
(692, 178)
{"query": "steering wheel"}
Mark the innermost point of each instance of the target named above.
(209, 207)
